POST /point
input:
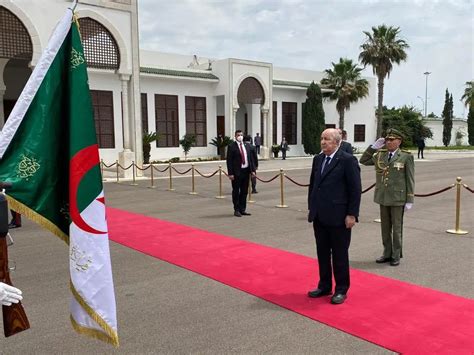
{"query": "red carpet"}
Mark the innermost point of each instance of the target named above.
(396, 315)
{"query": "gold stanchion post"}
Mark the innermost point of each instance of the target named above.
(282, 194)
(456, 229)
(133, 175)
(102, 169)
(117, 164)
(171, 178)
(193, 191)
(220, 183)
(152, 181)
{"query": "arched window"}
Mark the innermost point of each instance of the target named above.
(15, 41)
(100, 48)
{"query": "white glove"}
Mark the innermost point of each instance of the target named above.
(379, 143)
(408, 206)
(9, 294)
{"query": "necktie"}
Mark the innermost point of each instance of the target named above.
(390, 155)
(242, 154)
(326, 163)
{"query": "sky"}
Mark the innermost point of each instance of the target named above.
(311, 34)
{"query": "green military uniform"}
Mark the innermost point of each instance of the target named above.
(395, 184)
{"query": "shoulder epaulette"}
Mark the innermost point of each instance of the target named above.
(406, 151)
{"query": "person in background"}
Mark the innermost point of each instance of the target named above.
(345, 146)
(334, 196)
(240, 165)
(284, 147)
(394, 190)
(253, 152)
(257, 141)
(420, 142)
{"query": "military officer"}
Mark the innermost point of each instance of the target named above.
(394, 190)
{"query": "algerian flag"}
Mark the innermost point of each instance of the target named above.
(48, 150)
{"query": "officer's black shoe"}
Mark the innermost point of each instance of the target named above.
(13, 225)
(245, 213)
(338, 298)
(395, 262)
(318, 293)
(237, 214)
(382, 260)
(255, 192)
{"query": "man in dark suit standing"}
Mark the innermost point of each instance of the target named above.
(345, 145)
(240, 165)
(333, 202)
(254, 154)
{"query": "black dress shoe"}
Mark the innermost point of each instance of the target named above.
(395, 262)
(245, 213)
(237, 214)
(338, 298)
(318, 293)
(255, 192)
(13, 225)
(382, 260)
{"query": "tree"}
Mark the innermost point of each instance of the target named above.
(347, 86)
(221, 143)
(187, 142)
(468, 99)
(407, 120)
(313, 119)
(381, 49)
(470, 125)
(447, 119)
(147, 139)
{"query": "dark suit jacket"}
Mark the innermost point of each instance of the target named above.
(234, 159)
(346, 147)
(337, 192)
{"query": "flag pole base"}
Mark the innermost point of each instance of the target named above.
(281, 206)
(193, 193)
(219, 197)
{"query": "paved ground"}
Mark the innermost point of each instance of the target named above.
(165, 309)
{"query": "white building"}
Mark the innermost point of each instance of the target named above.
(172, 94)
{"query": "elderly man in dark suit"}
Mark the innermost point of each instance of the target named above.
(240, 165)
(333, 202)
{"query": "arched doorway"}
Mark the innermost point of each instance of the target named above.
(16, 51)
(251, 98)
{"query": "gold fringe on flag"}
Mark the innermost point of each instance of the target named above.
(109, 335)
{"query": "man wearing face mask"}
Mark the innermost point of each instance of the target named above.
(394, 190)
(240, 165)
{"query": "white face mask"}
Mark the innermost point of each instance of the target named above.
(239, 138)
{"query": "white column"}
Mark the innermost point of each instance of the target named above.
(127, 143)
(266, 149)
(126, 156)
(233, 121)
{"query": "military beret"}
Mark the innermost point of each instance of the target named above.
(393, 133)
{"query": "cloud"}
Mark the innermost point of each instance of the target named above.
(312, 34)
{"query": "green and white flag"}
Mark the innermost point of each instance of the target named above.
(49, 152)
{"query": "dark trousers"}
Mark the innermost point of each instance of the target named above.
(333, 242)
(240, 189)
(258, 149)
(16, 218)
(283, 153)
(254, 183)
(420, 150)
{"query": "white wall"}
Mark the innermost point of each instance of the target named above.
(437, 128)
(153, 85)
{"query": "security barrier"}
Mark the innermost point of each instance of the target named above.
(281, 175)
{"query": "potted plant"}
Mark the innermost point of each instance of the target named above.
(147, 139)
(187, 142)
(221, 142)
(276, 149)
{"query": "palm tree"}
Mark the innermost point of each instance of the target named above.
(468, 96)
(381, 49)
(347, 86)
